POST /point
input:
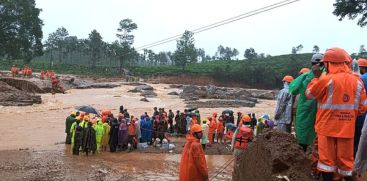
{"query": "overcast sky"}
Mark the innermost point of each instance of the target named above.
(306, 22)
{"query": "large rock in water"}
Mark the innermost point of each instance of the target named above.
(11, 96)
(148, 93)
(271, 155)
(142, 88)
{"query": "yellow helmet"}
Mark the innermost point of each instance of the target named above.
(78, 118)
(73, 113)
(86, 118)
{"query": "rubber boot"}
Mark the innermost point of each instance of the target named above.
(327, 176)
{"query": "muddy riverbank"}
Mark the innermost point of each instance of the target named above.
(33, 138)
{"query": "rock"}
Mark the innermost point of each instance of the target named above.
(143, 87)
(133, 83)
(175, 86)
(104, 85)
(144, 100)
(148, 93)
(174, 93)
(220, 103)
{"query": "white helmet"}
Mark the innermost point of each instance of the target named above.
(316, 58)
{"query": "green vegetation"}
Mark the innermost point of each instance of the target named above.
(259, 73)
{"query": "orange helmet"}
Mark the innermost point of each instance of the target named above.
(215, 114)
(336, 55)
(288, 79)
(362, 62)
(246, 118)
(304, 70)
(196, 128)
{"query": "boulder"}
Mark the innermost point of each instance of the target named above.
(174, 93)
(144, 100)
(143, 87)
(148, 93)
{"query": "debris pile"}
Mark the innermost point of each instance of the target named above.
(272, 156)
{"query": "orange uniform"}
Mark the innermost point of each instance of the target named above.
(14, 70)
(212, 129)
(228, 136)
(220, 130)
(42, 77)
(243, 137)
(193, 164)
(341, 97)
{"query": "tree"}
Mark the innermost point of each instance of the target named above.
(226, 53)
(352, 9)
(201, 54)
(126, 26)
(297, 49)
(59, 39)
(362, 51)
(186, 51)
(126, 39)
(250, 54)
(20, 29)
(316, 49)
(95, 44)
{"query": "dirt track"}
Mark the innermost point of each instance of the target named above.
(38, 131)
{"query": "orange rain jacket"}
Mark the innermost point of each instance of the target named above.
(337, 112)
(193, 164)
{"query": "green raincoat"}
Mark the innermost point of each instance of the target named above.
(99, 134)
(306, 109)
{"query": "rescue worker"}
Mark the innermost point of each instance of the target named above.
(360, 163)
(14, 71)
(360, 119)
(306, 109)
(242, 136)
(89, 140)
(260, 125)
(69, 121)
(106, 136)
(122, 137)
(220, 130)
(42, 75)
(99, 134)
(132, 134)
(304, 70)
(283, 111)
(212, 128)
(146, 130)
(56, 87)
(76, 132)
(170, 120)
(114, 135)
(204, 139)
(338, 107)
(193, 165)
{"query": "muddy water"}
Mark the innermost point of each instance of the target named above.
(41, 130)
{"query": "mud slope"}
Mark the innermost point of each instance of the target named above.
(10, 96)
(272, 154)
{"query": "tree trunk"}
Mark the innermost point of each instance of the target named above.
(50, 59)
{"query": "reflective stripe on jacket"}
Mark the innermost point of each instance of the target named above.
(340, 96)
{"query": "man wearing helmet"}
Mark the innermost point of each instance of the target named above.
(283, 111)
(69, 121)
(306, 112)
(341, 97)
(193, 164)
(242, 136)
